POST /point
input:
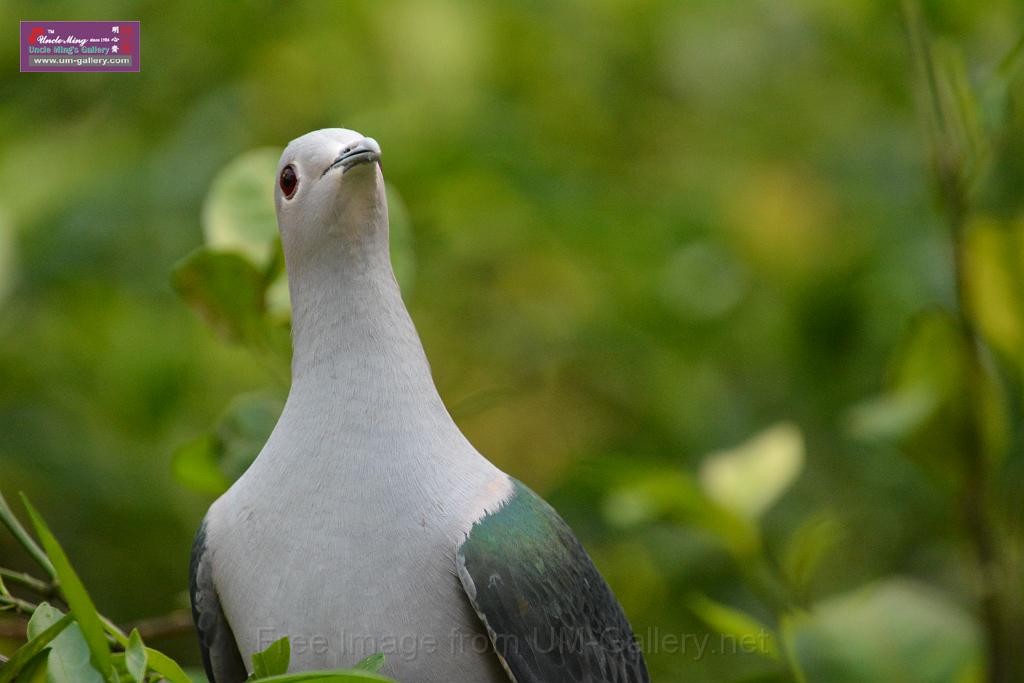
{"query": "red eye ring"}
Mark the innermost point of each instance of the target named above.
(289, 181)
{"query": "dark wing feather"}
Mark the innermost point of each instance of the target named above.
(550, 615)
(221, 658)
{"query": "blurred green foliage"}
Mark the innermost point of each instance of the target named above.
(685, 268)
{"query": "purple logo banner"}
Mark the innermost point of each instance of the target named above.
(80, 46)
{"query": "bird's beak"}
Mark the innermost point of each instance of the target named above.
(364, 151)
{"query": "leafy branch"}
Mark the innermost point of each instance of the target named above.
(961, 153)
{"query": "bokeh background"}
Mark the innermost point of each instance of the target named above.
(683, 268)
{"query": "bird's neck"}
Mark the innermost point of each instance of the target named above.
(357, 355)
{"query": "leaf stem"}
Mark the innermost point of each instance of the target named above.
(17, 604)
(172, 624)
(23, 537)
(38, 586)
(951, 181)
(114, 631)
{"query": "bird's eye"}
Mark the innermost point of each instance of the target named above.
(289, 181)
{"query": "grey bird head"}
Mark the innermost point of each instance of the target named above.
(330, 193)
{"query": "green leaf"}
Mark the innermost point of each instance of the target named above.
(277, 298)
(278, 301)
(273, 660)
(227, 290)
(24, 655)
(35, 671)
(891, 416)
(403, 258)
(750, 635)
(196, 465)
(135, 657)
(68, 661)
(669, 493)
(210, 462)
(238, 212)
(997, 99)
(897, 630)
(938, 99)
(994, 273)
(166, 667)
(964, 111)
(372, 663)
(807, 548)
(749, 478)
(1012, 65)
(931, 413)
(244, 429)
(45, 616)
(789, 628)
(77, 597)
(926, 370)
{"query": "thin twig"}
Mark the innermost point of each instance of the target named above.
(980, 529)
(115, 635)
(18, 531)
(169, 625)
(39, 587)
(17, 604)
(949, 165)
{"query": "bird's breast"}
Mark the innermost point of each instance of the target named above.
(347, 570)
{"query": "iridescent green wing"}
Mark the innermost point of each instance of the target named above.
(549, 613)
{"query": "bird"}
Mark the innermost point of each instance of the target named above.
(368, 523)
